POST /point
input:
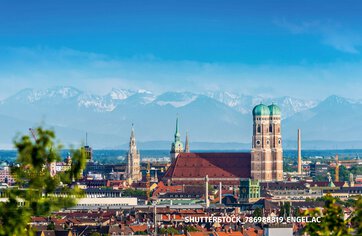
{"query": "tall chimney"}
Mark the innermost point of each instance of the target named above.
(207, 203)
(336, 177)
(220, 193)
(299, 153)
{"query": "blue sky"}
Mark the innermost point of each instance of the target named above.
(308, 49)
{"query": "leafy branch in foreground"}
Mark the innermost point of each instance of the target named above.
(332, 220)
(37, 191)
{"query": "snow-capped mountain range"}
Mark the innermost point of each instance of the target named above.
(106, 103)
(211, 116)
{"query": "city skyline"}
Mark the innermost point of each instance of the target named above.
(307, 50)
(168, 117)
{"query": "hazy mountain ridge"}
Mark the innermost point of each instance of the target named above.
(219, 117)
(106, 103)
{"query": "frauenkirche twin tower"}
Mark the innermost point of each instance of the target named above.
(267, 151)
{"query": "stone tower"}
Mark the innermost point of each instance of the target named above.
(267, 152)
(133, 172)
(177, 146)
(187, 145)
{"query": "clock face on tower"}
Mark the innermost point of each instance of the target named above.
(258, 142)
(244, 190)
(279, 141)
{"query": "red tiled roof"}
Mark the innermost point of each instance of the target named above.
(162, 188)
(139, 185)
(215, 165)
(200, 233)
(138, 228)
(38, 219)
(236, 233)
(250, 232)
(59, 221)
(74, 221)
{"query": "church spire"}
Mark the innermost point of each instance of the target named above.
(187, 147)
(132, 131)
(132, 139)
(133, 172)
(177, 133)
(177, 146)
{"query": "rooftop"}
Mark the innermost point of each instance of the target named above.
(216, 165)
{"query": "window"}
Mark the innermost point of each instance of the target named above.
(270, 128)
(258, 129)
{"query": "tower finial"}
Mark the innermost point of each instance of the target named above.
(177, 133)
(132, 130)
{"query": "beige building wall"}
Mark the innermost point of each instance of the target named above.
(111, 201)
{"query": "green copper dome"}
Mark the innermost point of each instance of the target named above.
(274, 110)
(261, 110)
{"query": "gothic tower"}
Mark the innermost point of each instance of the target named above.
(133, 172)
(261, 158)
(177, 146)
(266, 153)
(276, 143)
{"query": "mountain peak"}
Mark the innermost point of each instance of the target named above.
(335, 99)
(120, 94)
(63, 92)
(176, 99)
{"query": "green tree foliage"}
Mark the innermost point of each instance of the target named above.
(307, 199)
(257, 212)
(343, 173)
(95, 234)
(140, 233)
(288, 167)
(332, 220)
(287, 208)
(190, 228)
(51, 226)
(169, 230)
(357, 217)
(282, 210)
(351, 202)
(34, 191)
(320, 178)
(133, 193)
(296, 211)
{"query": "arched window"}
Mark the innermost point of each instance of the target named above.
(270, 128)
(258, 129)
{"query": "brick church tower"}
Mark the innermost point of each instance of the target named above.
(267, 152)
